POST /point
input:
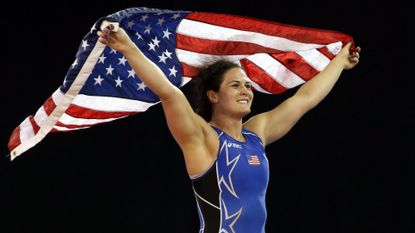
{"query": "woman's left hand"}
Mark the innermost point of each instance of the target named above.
(351, 58)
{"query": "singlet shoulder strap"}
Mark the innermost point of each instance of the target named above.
(218, 131)
(252, 134)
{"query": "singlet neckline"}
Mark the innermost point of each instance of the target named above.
(243, 134)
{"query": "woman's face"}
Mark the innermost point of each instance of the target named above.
(235, 94)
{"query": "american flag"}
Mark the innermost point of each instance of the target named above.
(253, 160)
(100, 86)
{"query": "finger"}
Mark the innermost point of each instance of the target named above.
(106, 30)
(354, 59)
(347, 46)
(102, 40)
(356, 54)
(100, 35)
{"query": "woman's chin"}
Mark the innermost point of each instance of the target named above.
(246, 112)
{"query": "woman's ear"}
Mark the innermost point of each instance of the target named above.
(212, 96)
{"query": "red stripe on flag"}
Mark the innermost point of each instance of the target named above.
(60, 124)
(74, 127)
(14, 140)
(87, 113)
(49, 105)
(216, 47)
(260, 77)
(71, 127)
(55, 131)
(296, 64)
(188, 70)
(326, 52)
(291, 32)
(35, 126)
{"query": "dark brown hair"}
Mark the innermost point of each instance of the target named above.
(209, 78)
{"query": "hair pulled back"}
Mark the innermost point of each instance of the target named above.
(209, 78)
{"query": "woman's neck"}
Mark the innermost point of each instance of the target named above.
(232, 127)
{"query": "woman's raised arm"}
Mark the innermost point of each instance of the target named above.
(274, 124)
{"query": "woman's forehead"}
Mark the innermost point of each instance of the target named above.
(236, 74)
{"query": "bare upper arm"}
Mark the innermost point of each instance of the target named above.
(274, 124)
(181, 119)
(197, 140)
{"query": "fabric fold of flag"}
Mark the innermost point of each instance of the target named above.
(100, 86)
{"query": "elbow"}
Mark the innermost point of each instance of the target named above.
(171, 93)
(312, 101)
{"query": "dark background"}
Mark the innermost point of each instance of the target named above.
(347, 166)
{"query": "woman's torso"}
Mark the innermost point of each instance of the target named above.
(231, 193)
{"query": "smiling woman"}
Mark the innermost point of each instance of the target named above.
(209, 78)
(346, 166)
(224, 156)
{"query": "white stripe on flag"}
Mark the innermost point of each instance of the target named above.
(207, 31)
(276, 70)
(254, 84)
(185, 80)
(40, 116)
(335, 48)
(200, 59)
(58, 96)
(111, 104)
(26, 130)
(61, 128)
(315, 59)
(70, 120)
(63, 100)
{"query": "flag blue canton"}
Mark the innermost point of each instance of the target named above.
(154, 33)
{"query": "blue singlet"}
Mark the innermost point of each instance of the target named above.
(231, 194)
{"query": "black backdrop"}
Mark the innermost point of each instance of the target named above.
(347, 166)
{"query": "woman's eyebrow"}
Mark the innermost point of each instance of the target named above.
(237, 81)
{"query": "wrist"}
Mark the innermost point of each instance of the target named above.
(131, 50)
(128, 48)
(338, 61)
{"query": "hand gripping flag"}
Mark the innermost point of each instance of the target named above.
(100, 86)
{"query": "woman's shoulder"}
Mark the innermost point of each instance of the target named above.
(251, 134)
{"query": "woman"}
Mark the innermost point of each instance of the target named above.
(224, 156)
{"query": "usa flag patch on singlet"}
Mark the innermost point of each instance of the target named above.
(253, 160)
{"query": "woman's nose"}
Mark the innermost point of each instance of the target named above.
(244, 91)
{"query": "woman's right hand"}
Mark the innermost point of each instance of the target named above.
(115, 39)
